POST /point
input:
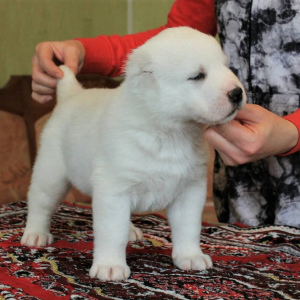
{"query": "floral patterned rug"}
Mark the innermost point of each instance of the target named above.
(249, 263)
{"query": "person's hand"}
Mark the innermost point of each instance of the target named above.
(255, 133)
(45, 72)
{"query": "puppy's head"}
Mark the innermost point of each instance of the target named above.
(182, 74)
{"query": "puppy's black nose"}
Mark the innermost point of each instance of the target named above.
(236, 95)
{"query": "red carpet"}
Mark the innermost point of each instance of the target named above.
(249, 263)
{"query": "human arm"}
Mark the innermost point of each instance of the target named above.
(254, 134)
(106, 55)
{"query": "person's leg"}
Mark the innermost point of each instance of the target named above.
(244, 194)
(288, 210)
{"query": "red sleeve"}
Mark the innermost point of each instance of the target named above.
(106, 54)
(295, 119)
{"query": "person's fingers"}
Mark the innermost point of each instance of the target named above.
(45, 72)
(72, 59)
(242, 130)
(43, 85)
(230, 153)
(238, 133)
(251, 113)
(42, 78)
(41, 98)
(44, 59)
(218, 141)
(41, 89)
(228, 160)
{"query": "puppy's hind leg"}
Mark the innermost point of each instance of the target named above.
(48, 185)
(135, 233)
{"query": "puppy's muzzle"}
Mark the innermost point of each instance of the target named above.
(236, 96)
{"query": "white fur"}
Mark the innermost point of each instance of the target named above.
(135, 148)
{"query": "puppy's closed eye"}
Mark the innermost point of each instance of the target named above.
(200, 76)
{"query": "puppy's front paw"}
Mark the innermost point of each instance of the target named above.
(199, 261)
(36, 239)
(135, 234)
(110, 273)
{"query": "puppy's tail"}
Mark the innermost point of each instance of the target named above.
(68, 85)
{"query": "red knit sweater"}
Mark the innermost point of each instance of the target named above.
(107, 54)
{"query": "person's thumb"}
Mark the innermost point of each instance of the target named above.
(72, 59)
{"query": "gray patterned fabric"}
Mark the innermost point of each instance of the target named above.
(261, 39)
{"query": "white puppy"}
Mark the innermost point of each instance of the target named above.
(136, 148)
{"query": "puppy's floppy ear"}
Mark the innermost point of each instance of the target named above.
(138, 68)
(138, 61)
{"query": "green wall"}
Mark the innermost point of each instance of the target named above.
(25, 23)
